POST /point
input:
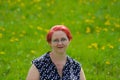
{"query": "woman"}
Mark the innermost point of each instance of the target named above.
(56, 64)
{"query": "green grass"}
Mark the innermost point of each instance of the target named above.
(95, 25)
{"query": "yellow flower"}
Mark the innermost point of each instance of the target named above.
(18, 0)
(13, 39)
(46, 30)
(107, 23)
(110, 46)
(88, 30)
(95, 45)
(89, 21)
(13, 33)
(105, 29)
(16, 39)
(36, 1)
(24, 32)
(32, 51)
(98, 29)
(103, 47)
(23, 17)
(117, 25)
(89, 46)
(39, 8)
(22, 4)
(2, 29)
(21, 35)
(1, 35)
(39, 28)
(36, 33)
(107, 62)
(2, 52)
(48, 4)
(113, 29)
(31, 26)
(119, 39)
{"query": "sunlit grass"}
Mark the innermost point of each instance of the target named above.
(95, 25)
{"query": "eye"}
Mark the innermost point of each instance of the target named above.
(63, 39)
(56, 40)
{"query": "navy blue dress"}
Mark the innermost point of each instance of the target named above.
(48, 70)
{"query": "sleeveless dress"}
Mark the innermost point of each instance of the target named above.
(48, 70)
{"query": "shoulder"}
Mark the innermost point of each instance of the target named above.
(74, 62)
(38, 62)
(41, 58)
(33, 74)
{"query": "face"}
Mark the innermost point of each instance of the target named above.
(59, 42)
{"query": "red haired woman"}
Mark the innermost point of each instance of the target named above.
(56, 64)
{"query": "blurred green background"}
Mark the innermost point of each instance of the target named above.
(95, 26)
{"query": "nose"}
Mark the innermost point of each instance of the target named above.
(60, 42)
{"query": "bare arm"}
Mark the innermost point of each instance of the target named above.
(82, 75)
(33, 74)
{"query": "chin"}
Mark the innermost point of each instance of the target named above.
(61, 51)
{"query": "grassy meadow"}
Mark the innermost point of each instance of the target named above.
(95, 26)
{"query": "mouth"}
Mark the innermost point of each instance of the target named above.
(60, 47)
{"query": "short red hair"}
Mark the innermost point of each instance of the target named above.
(58, 28)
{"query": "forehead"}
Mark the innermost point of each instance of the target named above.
(59, 34)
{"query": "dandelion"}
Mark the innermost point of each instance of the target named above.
(2, 52)
(31, 26)
(13, 39)
(46, 30)
(36, 33)
(107, 62)
(22, 4)
(24, 32)
(36, 1)
(110, 46)
(52, 2)
(117, 25)
(89, 46)
(89, 21)
(112, 29)
(105, 29)
(18, 0)
(1, 35)
(16, 39)
(39, 28)
(33, 51)
(107, 23)
(21, 35)
(119, 39)
(88, 30)
(98, 29)
(39, 8)
(48, 4)
(95, 45)
(23, 17)
(93, 17)
(2, 29)
(103, 47)
(13, 33)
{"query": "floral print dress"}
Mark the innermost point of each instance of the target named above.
(48, 70)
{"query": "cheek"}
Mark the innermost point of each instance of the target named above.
(67, 43)
(52, 45)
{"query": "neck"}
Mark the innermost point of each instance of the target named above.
(58, 56)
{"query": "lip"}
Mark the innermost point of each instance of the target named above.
(59, 47)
